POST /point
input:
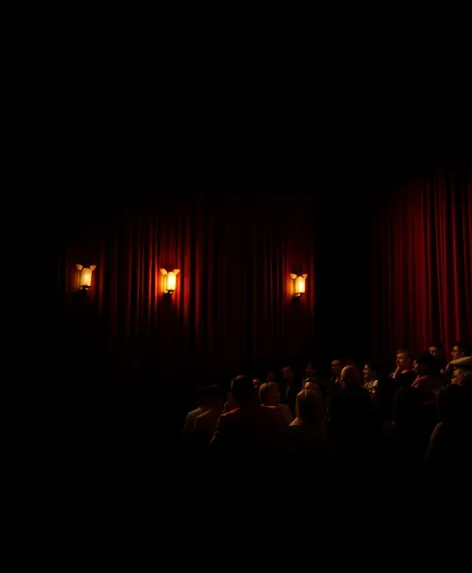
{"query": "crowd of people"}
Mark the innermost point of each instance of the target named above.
(419, 414)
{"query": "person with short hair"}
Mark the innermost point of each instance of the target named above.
(334, 384)
(310, 382)
(403, 374)
(353, 425)
(257, 384)
(336, 368)
(429, 379)
(249, 426)
(307, 431)
(457, 352)
(269, 396)
(435, 350)
(289, 387)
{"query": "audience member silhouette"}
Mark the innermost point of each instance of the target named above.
(269, 396)
(436, 351)
(257, 384)
(334, 384)
(205, 423)
(429, 379)
(353, 426)
(307, 432)
(336, 369)
(371, 378)
(289, 387)
(311, 382)
(250, 426)
(458, 351)
(403, 375)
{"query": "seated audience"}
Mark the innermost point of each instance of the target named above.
(462, 367)
(250, 426)
(403, 375)
(436, 351)
(289, 387)
(371, 379)
(352, 422)
(313, 382)
(312, 385)
(336, 368)
(334, 384)
(205, 423)
(257, 384)
(368, 418)
(269, 396)
(307, 431)
(429, 379)
(457, 352)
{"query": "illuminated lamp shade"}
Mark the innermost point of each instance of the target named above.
(299, 284)
(85, 278)
(170, 280)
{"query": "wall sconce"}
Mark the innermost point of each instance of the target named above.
(170, 280)
(298, 284)
(85, 278)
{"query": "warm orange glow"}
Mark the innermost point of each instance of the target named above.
(299, 284)
(170, 280)
(85, 278)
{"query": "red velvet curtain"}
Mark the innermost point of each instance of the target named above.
(233, 306)
(422, 264)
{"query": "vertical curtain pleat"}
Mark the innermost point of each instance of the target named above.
(424, 265)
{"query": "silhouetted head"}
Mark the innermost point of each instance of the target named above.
(309, 407)
(371, 371)
(310, 370)
(243, 391)
(288, 374)
(458, 351)
(435, 350)
(269, 394)
(403, 360)
(351, 377)
(424, 364)
(336, 367)
(257, 382)
(311, 385)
